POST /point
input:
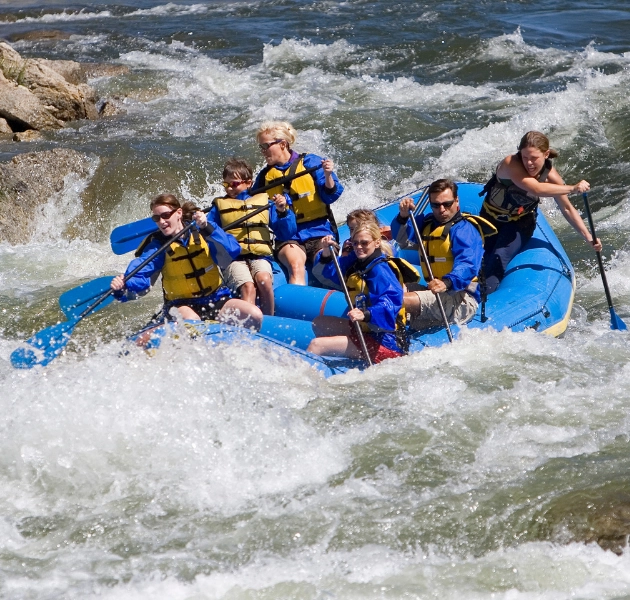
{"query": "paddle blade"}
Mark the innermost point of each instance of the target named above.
(43, 347)
(75, 301)
(616, 322)
(126, 238)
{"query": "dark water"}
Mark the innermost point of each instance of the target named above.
(473, 471)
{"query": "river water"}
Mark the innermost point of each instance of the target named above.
(485, 469)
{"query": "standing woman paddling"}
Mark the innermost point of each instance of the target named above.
(512, 198)
(309, 196)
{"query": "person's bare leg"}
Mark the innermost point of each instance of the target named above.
(337, 345)
(294, 259)
(264, 283)
(241, 313)
(247, 292)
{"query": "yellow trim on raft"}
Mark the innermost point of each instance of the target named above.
(559, 328)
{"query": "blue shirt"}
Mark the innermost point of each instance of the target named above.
(466, 246)
(384, 293)
(223, 248)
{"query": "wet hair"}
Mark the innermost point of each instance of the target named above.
(374, 230)
(441, 185)
(238, 168)
(188, 208)
(280, 130)
(535, 139)
(362, 214)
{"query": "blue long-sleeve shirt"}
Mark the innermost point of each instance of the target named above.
(383, 290)
(316, 227)
(466, 246)
(223, 248)
(283, 225)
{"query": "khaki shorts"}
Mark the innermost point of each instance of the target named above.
(244, 271)
(459, 308)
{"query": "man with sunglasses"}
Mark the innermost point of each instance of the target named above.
(454, 245)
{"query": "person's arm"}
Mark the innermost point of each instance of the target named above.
(282, 219)
(402, 229)
(571, 214)
(141, 282)
(326, 181)
(512, 168)
(467, 249)
(223, 246)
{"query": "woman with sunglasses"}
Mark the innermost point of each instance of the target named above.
(190, 267)
(512, 198)
(309, 197)
(375, 284)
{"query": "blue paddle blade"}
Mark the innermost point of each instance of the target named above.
(78, 299)
(616, 321)
(43, 347)
(126, 238)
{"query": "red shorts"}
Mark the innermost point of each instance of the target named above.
(377, 352)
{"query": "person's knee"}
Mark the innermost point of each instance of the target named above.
(263, 280)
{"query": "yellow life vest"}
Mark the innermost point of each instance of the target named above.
(253, 235)
(437, 242)
(190, 272)
(404, 271)
(307, 205)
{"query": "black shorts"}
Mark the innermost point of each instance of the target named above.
(207, 311)
(310, 247)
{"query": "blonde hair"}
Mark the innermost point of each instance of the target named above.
(280, 130)
(375, 232)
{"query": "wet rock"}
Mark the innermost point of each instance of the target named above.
(599, 516)
(111, 108)
(65, 101)
(94, 70)
(4, 126)
(28, 181)
(22, 109)
(72, 71)
(29, 135)
(40, 35)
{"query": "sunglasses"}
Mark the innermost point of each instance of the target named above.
(362, 243)
(446, 204)
(233, 184)
(264, 147)
(165, 215)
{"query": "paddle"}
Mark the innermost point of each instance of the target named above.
(423, 257)
(74, 301)
(126, 238)
(615, 321)
(356, 324)
(47, 344)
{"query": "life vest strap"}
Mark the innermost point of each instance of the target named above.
(199, 272)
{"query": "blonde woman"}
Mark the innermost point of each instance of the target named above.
(309, 197)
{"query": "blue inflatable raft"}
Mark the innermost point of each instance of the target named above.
(536, 293)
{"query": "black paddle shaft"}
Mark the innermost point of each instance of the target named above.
(270, 185)
(425, 258)
(344, 287)
(589, 216)
(143, 264)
